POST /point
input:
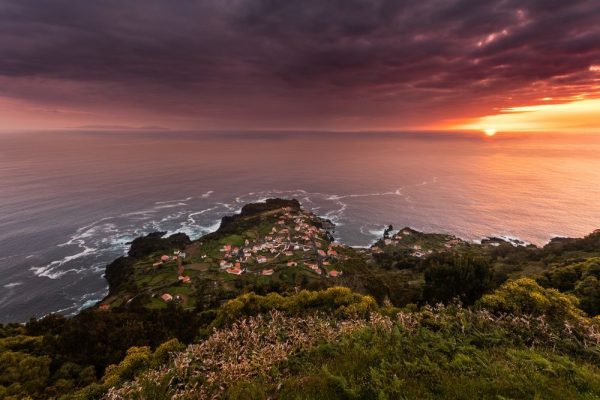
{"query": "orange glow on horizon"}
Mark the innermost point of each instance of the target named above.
(576, 116)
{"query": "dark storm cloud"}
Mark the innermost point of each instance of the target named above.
(298, 60)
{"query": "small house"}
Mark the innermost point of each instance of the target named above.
(234, 271)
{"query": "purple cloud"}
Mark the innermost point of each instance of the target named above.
(270, 63)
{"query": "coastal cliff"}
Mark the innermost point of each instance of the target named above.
(277, 246)
(270, 305)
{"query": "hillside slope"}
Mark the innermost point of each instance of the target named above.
(272, 306)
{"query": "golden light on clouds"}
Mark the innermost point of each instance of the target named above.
(576, 116)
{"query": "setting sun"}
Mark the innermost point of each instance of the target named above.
(574, 116)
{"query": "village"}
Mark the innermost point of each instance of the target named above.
(268, 246)
(294, 236)
(293, 241)
(265, 248)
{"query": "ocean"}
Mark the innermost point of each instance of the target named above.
(71, 201)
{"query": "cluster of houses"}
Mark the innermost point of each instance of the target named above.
(178, 256)
(417, 249)
(452, 243)
(291, 234)
(397, 240)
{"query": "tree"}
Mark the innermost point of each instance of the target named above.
(581, 279)
(449, 276)
(588, 292)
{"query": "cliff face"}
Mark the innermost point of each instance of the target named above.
(154, 242)
(119, 274)
(228, 222)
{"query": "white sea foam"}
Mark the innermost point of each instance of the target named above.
(514, 240)
(173, 216)
(174, 201)
(192, 220)
(173, 205)
(194, 231)
(142, 213)
(374, 233)
(89, 300)
(12, 285)
(49, 270)
(377, 232)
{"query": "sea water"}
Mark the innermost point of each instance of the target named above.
(70, 202)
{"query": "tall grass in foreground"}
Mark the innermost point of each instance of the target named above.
(437, 352)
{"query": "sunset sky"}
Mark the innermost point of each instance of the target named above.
(500, 65)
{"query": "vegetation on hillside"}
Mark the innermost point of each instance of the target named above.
(389, 353)
(407, 318)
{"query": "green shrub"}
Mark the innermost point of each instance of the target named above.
(525, 296)
(338, 301)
